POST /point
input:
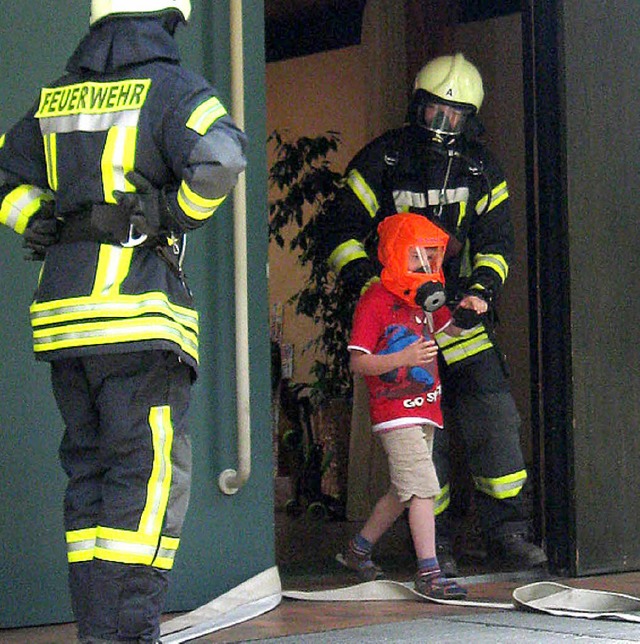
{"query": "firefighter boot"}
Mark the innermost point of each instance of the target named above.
(509, 546)
(446, 560)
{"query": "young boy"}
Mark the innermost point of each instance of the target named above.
(392, 346)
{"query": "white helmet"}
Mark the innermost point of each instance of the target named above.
(453, 79)
(447, 91)
(102, 8)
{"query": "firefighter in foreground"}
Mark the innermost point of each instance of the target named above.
(103, 177)
(436, 166)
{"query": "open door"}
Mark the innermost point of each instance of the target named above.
(373, 89)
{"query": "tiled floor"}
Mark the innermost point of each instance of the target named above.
(305, 555)
(298, 617)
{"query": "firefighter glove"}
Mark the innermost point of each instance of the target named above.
(42, 231)
(356, 275)
(147, 208)
(466, 318)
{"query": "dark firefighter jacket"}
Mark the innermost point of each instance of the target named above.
(119, 108)
(463, 191)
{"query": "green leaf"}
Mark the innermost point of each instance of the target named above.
(303, 173)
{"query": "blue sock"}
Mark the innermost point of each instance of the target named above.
(361, 545)
(429, 567)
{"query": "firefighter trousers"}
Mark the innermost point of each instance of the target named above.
(127, 455)
(485, 429)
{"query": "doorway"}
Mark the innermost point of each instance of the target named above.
(331, 90)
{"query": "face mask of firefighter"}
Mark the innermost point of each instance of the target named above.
(412, 249)
(445, 121)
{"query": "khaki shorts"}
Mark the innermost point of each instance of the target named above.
(411, 469)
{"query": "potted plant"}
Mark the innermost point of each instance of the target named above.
(305, 183)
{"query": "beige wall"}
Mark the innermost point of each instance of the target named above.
(346, 90)
(309, 96)
(358, 91)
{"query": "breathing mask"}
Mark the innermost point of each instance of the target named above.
(411, 249)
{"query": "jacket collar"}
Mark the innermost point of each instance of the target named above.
(117, 43)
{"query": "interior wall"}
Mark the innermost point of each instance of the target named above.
(310, 96)
(357, 91)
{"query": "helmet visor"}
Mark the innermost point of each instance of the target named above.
(446, 120)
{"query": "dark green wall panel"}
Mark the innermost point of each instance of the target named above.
(32, 556)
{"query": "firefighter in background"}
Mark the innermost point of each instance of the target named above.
(117, 159)
(436, 166)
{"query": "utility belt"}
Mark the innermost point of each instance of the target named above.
(109, 224)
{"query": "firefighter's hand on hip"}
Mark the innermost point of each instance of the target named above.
(144, 206)
(42, 231)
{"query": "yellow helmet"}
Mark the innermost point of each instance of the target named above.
(453, 79)
(103, 8)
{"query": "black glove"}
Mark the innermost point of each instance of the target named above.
(41, 232)
(356, 274)
(466, 318)
(147, 207)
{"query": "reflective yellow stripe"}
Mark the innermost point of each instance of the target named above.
(207, 113)
(441, 337)
(498, 195)
(120, 546)
(495, 262)
(503, 487)
(166, 553)
(113, 267)
(20, 204)
(368, 283)
(136, 548)
(345, 253)
(145, 546)
(160, 479)
(114, 332)
(51, 157)
(108, 317)
(442, 500)
(462, 213)
(2, 140)
(118, 158)
(80, 544)
(195, 206)
(79, 309)
(469, 343)
(476, 286)
(364, 193)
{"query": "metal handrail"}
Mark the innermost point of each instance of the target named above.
(230, 480)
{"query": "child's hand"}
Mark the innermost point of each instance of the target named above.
(421, 352)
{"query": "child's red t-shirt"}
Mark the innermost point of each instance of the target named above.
(383, 323)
